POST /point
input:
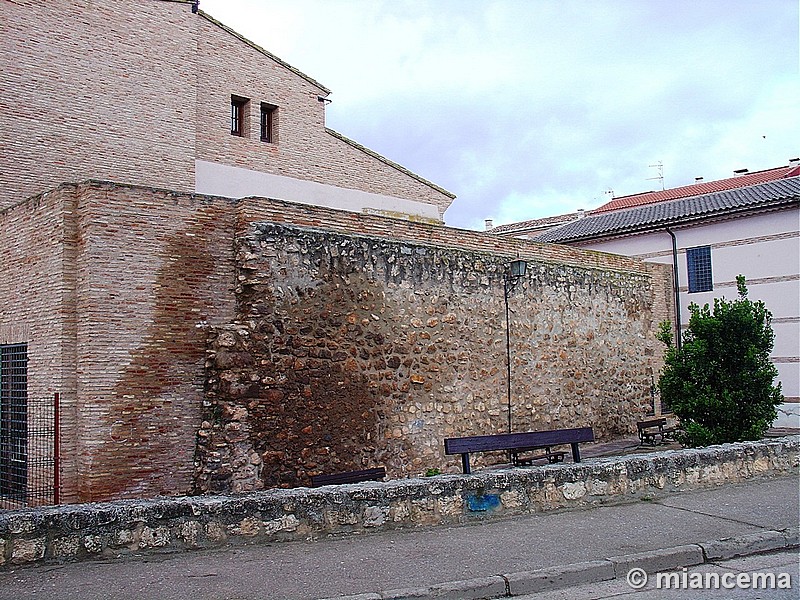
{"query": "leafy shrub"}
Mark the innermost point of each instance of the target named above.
(720, 384)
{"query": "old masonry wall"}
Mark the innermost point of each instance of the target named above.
(356, 350)
(204, 344)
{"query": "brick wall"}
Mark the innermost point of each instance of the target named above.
(37, 296)
(112, 286)
(304, 148)
(135, 92)
(153, 269)
(96, 89)
(116, 289)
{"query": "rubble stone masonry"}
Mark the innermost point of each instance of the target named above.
(131, 528)
(351, 351)
(299, 339)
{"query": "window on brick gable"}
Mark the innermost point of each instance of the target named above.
(239, 112)
(698, 267)
(269, 114)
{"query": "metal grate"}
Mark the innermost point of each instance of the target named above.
(28, 436)
(698, 267)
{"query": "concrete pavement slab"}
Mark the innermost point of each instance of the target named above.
(740, 504)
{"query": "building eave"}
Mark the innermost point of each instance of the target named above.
(715, 216)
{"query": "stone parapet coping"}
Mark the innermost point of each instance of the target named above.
(127, 527)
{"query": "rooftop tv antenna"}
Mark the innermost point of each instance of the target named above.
(660, 166)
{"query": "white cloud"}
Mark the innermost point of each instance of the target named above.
(528, 108)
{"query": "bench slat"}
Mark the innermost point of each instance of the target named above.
(512, 441)
(651, 429)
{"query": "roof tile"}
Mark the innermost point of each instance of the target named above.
(695, 189)
(651, 216)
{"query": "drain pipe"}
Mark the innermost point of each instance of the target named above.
(676, 288)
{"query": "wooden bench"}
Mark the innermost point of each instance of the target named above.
(376, 474)
(517, 443)
(654, 431)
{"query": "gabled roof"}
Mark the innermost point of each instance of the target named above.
(696, 189)
(773, 194)
(391, 163)
(533, 225)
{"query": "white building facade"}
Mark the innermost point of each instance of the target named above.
(753, 231)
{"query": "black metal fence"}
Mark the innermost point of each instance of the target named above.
(29, 436)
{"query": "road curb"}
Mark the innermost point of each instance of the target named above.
(615, 567)
(744, 545)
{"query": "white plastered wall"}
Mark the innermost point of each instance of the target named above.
(235, 182)
(765, 248)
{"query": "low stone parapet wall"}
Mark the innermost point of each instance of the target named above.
(115, 529)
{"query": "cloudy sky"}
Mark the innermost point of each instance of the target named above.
(531, 108)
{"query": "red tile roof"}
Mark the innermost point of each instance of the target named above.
(697, 189)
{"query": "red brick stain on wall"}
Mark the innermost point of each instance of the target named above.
(324, 415)
(156, 404)
(303, 383)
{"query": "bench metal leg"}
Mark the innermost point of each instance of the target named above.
(465, 463)
(576, 453)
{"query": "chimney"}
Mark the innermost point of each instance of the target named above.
(793, 162)
(698, 180)
(581, 213)
(739, 172)
(489, 224)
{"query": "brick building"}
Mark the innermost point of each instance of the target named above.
(167, 185)
(157, 93)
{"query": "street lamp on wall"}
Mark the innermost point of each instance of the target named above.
(513, 273)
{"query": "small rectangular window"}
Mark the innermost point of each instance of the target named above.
(268, 112)
(239, 115)
(698, 267)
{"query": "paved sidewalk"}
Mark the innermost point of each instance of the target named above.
(756, 514)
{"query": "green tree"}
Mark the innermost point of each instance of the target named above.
(721, 383)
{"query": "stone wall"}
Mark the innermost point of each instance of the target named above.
(352, 351)
(114, 288)
(127, 528)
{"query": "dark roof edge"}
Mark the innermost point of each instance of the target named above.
(266, 53)
(774, 204)
(391, 163)
(550, 222)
